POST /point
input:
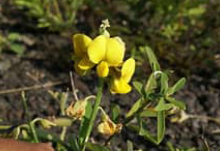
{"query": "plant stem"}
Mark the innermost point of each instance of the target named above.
(31, 124)
(33, 131)
(94, 112)
(63, 133)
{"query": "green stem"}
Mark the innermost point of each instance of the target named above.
(94, 112)
(63, 133)
(31, 124)
(33, 131)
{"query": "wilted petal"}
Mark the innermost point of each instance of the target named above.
(120, 86)
(102, 69)
(106, 128)
(97, 49)
(81, 42)
(115, 52)
(78, 70)
(77, 109)
(85, 64)
(128, 69)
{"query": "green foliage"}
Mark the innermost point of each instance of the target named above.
(55, 14)
(84, 124)
(172, 148)
(116, 111)
(156, 89)
(11, 42)
(96, 147)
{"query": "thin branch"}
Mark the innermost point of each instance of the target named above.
(28, 88)
(73, 87)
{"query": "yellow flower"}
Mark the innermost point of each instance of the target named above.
(82, 62)
(106, 52)
(108, 127)
(119, 84)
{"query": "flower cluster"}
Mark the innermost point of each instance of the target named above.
(107, 54)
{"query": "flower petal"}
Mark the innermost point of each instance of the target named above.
(85, 64)
(105, 129)
(102, 69)
(120, 86)
(97, 49)
(128, 69)
(115, 52)
(81, 42)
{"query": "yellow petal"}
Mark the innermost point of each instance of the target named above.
(120, 86)
(102, 69)
(81, 42)
(97, 49)
(85, 64)
(128, 69)
(115, 52)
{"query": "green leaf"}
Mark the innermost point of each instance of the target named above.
(164, 83)
(151, 57)
(96, 147)
(177, 103)
(115, 112)
(151, 84)
(177, 86)
(13, 36)
(160, 126)
(17, 48)
(45, 135)
(162, 106)
(84, 123)
(144, 132)
(138, 86)
(74, 143)
(135, 107)
(197, 11)
(170, 146)
(148, 113)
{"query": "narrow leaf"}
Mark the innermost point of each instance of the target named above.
(177, 86)
(177, 103)
(164, 83)
(96, 147)
(74, 143)
(162, 106)
(138, 86)
(160, 126)
(144, 132)
(151, 84)
(148, 113)
(115, 112)
(151, 57)
(134, 108)
(84, 123)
